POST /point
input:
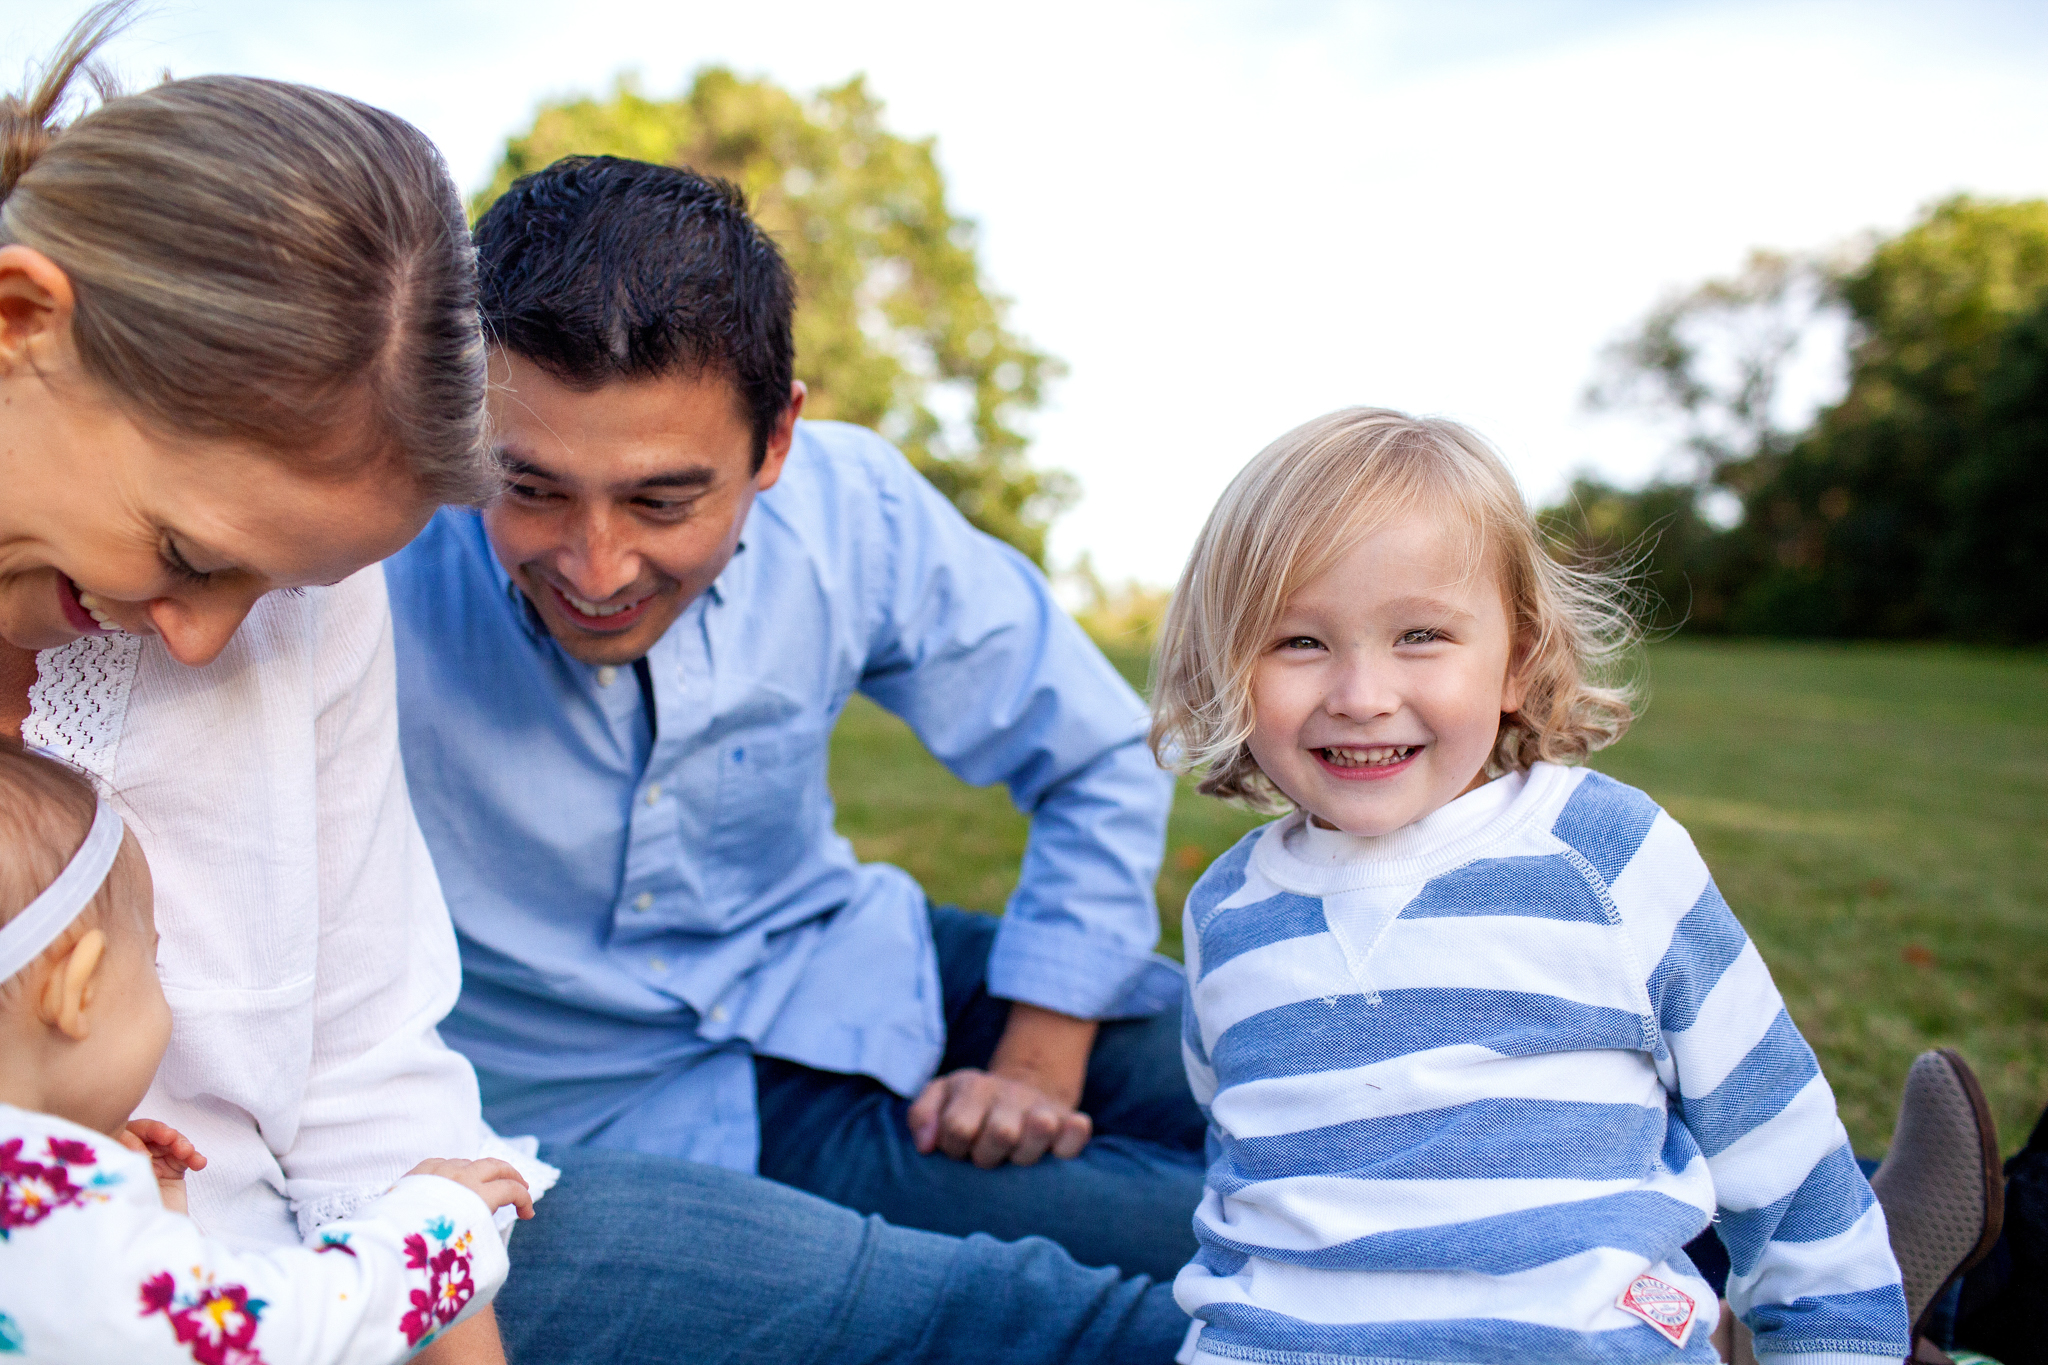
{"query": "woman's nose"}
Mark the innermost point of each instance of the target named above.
(195, 634)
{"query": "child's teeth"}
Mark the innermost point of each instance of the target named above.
(1370, 757)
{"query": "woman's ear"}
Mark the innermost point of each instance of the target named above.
(72, 986)
(36, 303)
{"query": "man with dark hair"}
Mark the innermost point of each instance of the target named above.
(617, 684)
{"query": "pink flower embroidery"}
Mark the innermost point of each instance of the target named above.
(217, 1323)
(449, 1288)
(31, 1191)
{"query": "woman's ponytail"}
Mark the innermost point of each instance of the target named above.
(26, 120)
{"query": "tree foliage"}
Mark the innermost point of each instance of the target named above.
(896, 328)
(1915, 505)
(1713, 360)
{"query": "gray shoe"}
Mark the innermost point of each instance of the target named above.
(1941, 1185)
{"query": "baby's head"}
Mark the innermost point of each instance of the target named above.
(83, 1021)
(1369, 626)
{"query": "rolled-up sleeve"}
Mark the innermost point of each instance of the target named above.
(383, 1091)
(968, 646)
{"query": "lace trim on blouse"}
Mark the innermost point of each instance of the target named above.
(79, 700)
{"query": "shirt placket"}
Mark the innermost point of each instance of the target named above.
(662, 890)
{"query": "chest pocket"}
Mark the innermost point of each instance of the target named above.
(771, 798)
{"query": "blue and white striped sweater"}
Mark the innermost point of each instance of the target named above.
(1469, 1082)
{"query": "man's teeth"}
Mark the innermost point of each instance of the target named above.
(592, 608)
(92, 609)
(1377, 756)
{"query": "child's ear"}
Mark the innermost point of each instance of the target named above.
(72, 986)
(1514, 689)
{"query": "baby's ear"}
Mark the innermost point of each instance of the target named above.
(73, 985)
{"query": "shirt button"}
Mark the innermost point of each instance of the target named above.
(607, 675)
(654, 794)
(644, 901)
(717, 1014)
(657, 964)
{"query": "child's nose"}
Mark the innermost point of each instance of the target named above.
(1363, 689)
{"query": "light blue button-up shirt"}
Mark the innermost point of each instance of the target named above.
(644, 902)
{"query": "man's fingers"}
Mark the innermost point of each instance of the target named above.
(1002, 1131)
(1041, 1125)
(1073, 1136)
(924, 1115)
(968, 1101)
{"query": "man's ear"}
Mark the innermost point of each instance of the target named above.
(73, 985)
(36, 303)
(780, 438)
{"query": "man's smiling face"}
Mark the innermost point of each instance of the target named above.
(625, 501)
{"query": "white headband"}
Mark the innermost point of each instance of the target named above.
(23, 938)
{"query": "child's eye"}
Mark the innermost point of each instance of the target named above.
(1301, 642)
(1421, 637)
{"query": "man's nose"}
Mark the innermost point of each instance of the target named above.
(599, 560)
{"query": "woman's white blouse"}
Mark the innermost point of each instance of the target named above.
(305, 947)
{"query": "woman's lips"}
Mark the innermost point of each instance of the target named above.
(77, 614)
(1368, 771)
(609, 624)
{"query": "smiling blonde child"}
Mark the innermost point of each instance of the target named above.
(1481, 1045)
(97, 1261)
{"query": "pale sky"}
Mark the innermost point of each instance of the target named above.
(1230, 217)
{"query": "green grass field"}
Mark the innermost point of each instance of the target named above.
(1876, 815)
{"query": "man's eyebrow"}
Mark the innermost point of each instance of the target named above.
(690, 476)
(517, 468)
(694, 476)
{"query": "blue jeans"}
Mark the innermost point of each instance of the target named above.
(1128, 1200)
(648, 1260)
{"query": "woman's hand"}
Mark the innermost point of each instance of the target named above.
(170, 1154)
(497, 1183)
(1023, 1106)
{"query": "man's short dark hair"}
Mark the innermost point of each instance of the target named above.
(599, 268)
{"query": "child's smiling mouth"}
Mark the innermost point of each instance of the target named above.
(1365, 760)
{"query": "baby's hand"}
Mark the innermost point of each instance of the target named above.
(170, 1154)
(497, 1183)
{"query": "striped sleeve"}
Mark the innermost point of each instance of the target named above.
(1812, 1271)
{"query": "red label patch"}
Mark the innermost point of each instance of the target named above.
(1665, 1307)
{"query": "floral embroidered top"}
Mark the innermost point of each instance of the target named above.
(94, 1269)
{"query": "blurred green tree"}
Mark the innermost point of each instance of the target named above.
(1913, 506)
(1892, 514)
(896, 327)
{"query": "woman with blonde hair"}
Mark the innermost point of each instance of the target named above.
(240, 362)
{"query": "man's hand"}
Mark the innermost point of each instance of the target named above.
(1023, 1106)
(170, 1154)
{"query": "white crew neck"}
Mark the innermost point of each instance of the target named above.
(1298, 854)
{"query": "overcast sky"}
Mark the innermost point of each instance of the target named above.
(1230, 217)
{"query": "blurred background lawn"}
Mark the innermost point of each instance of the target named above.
(1876, 814)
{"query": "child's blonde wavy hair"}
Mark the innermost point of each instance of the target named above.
(1301, 505)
